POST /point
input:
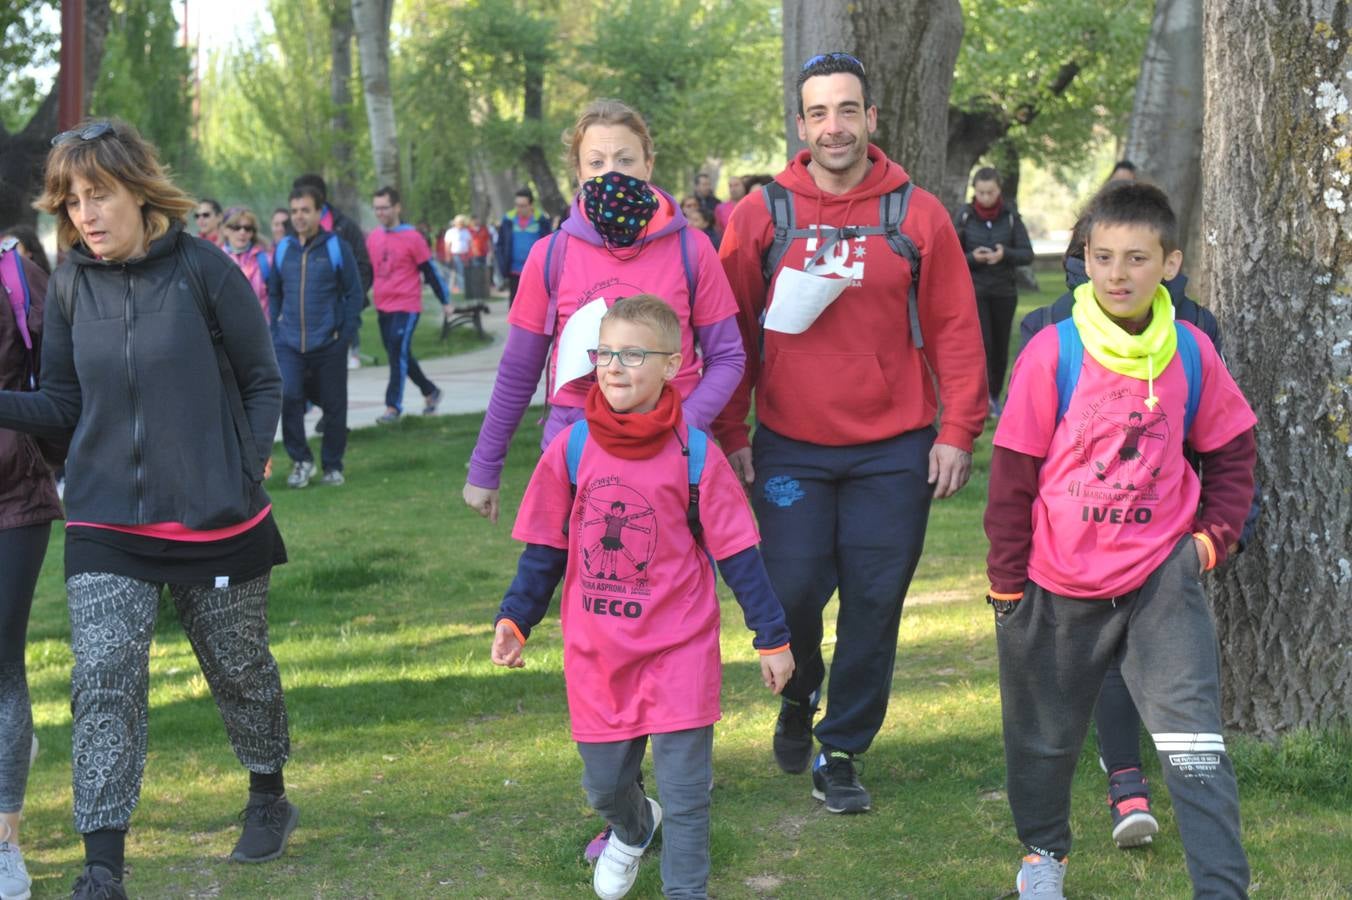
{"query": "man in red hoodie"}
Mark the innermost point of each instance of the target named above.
(846, 455)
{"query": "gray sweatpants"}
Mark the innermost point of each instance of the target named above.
(683, 765)
(1053, 653)
(21, 552)
(112, 619)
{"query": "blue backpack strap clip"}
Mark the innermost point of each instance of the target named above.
(1069, 359)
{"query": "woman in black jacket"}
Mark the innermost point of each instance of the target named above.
(996, 243)
(172, 431)
(28, 505)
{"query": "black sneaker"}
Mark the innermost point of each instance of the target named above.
(268, 822)
(834, 783)
(97, 883)
(793, 734)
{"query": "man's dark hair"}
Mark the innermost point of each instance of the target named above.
(314, 181)
(525, 192)
(1134, 203)
(1125, 165)
(833, 64)
(986, 173)
(389, 192)
(212, 203)
(308, 190)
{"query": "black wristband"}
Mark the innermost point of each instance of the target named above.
(1002, 607)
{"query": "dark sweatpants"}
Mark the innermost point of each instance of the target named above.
(1053, 653)
(996, 314)
(21, 553)
(851, 518)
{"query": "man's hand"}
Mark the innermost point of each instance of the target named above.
(741, 466)
(949, 469)
(483, 501)
(776, 670)
(506, 648)
(267, 469)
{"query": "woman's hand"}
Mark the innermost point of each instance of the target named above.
(483, 501)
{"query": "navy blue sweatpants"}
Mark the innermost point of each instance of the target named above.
(849, 518)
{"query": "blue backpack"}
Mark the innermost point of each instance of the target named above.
(1070, 360)
(335, 253)
(694, 451)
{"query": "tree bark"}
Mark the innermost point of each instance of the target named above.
(372, 21)
(1277, 213)
(343, 183)
(1165, 135)
(908, 50)
(535, 159)
(23, 154)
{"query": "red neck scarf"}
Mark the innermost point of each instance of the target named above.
(989, 213)
(633, 435)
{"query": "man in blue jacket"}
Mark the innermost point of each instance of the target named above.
(315, 293)
(517, 233)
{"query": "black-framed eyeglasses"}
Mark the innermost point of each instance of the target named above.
(827, 57)
(91, 132)
(629, 357)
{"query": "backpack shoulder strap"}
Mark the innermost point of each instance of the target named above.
(1069, 359)
(279, 253)
(555, 250)
(1191, 357)
(335, 252)
(779, 202)
(696, 451)
(577, 440)
(892, 216)
(264, 266)
(691, 278)
(16, 285)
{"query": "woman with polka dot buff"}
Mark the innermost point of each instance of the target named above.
(622, 237)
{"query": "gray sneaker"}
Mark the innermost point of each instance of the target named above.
(300, 474)
(333, 478)
(14, 881)
(1041, 878)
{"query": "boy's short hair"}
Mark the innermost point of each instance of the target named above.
(1134, 203)
(652, 311)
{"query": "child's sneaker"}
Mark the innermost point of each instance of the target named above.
(1041, 878)
(1129, 803)
(836, 785)
(617, 866)
(14, 881)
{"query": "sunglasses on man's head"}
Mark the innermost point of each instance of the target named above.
(91, 132)
(828, 57)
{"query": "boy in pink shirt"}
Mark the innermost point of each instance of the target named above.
(1100, 531)
(632, 539)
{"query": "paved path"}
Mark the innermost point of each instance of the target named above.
(466, 379)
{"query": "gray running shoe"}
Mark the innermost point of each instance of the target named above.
(14, 881)
(431, 402)
(333, 478)
(268, 822)
(1041, 878)
(300, 474)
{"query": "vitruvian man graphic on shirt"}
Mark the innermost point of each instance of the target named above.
(1125, 442)
(619, 532)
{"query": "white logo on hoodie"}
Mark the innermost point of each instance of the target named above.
(841, 261)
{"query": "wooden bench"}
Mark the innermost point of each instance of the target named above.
(465, 315)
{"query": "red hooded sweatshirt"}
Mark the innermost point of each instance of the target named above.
(855, 375)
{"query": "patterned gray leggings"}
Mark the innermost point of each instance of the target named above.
(112, 619)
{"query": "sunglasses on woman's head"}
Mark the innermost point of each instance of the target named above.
(91, 132)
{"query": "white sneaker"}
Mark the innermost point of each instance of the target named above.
(617, 866)
(14, 881)
(353, 361)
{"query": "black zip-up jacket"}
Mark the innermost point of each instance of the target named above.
(1007, 229)
(136, 378)
(27, 491)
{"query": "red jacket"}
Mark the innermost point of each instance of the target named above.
(855, 375)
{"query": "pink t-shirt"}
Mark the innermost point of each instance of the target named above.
(395, 257)
(639, 613)
(590, 271)
(1115, 492)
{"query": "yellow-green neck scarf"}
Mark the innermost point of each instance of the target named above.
(1143, 355)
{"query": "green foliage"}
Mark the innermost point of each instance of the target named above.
(26, 48)
(144, 78)
(1014, 50)
(267, 114)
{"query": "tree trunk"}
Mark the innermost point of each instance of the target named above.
(1277, 209)
(343, 183)
(971, 133)
(1165, 135)
(535, 159)
(22, 155)
(908, 50)
(372, 21)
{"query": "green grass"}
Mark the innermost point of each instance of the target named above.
(427, 343)
(423, 771)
